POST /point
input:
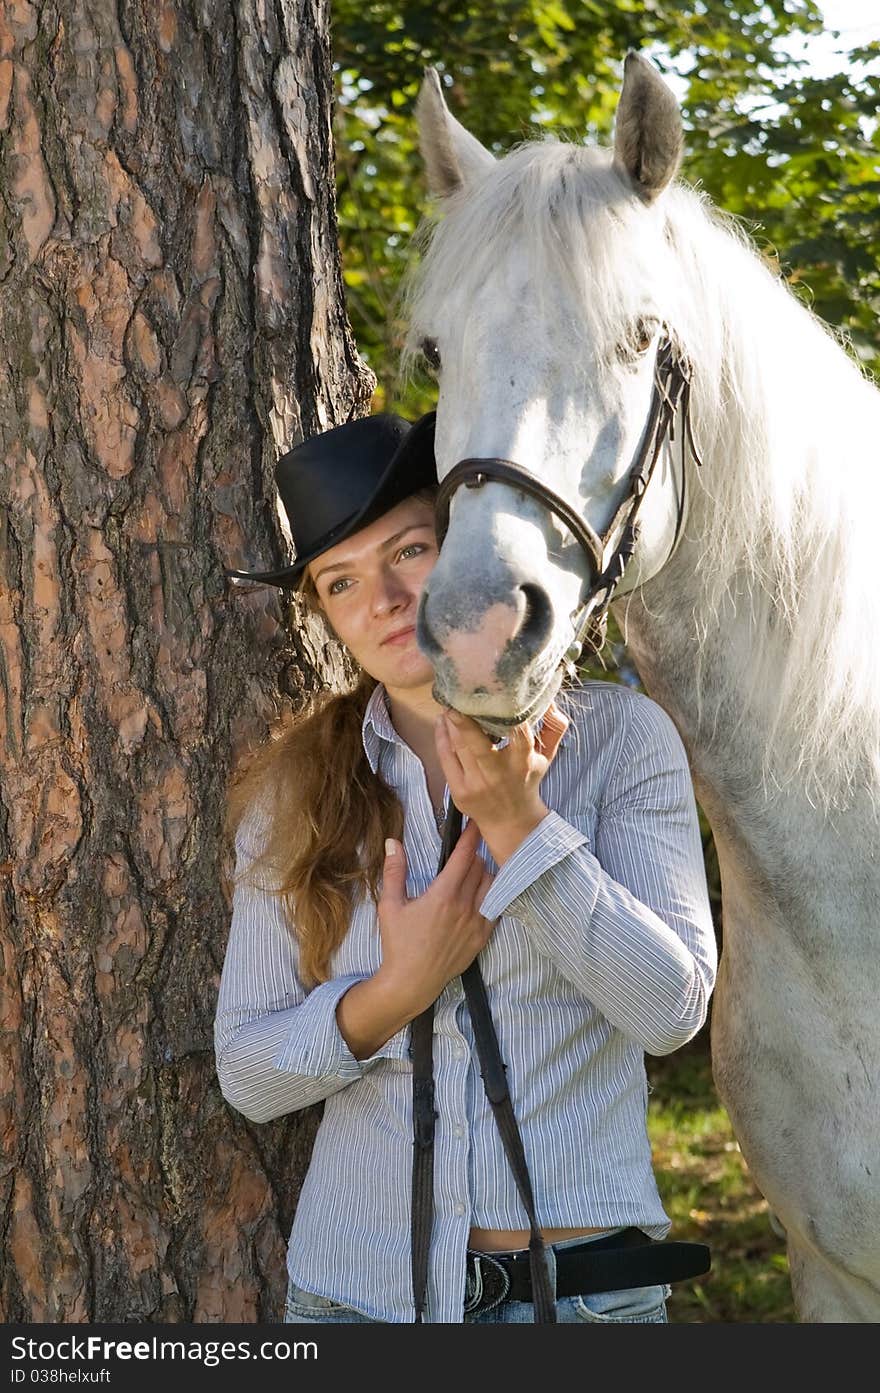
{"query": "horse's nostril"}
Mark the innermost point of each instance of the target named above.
(425, 639)
(537, 619)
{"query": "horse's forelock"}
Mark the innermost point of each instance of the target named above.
(560, 204)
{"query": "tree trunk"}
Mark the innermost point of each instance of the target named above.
(172, 315)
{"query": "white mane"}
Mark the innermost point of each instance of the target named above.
(785, 510)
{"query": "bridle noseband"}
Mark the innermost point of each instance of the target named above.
(672, 382)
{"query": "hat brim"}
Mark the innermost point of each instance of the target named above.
(412, 467)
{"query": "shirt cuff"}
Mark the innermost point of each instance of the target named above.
(549, 842)
(317, 1048)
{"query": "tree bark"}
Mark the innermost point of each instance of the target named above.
(172, 314)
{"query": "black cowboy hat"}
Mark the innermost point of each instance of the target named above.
(340, 481)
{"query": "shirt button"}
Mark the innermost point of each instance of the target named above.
(458, 1051)
(459, 1209)
(458, 1130)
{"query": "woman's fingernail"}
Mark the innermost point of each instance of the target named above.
(390, 847)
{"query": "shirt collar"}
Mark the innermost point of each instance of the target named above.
(377, 726)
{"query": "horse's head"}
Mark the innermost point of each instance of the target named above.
(540, 304)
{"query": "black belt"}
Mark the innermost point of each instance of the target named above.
(615, 1263)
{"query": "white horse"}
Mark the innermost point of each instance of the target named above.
(548, 282)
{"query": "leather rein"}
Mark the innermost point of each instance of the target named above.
(671, 391)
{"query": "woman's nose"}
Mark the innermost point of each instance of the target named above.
(390, 593)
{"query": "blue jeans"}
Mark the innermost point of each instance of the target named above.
(635, 1306)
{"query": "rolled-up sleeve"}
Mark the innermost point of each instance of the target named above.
(278, 1047)
(629, 923)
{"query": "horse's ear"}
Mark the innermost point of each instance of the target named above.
(452, 156)
(648, 134)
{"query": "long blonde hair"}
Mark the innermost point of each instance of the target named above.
(327, 813)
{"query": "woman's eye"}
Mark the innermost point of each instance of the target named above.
(431, 354)
(332, 588)
(414, 548)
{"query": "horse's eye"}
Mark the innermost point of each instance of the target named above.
(643, 336)
(638, 340)
(431, 354)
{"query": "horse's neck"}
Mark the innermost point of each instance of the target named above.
(788, 869)
(701, 684)
(697, 665)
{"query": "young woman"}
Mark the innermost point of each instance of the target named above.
(578, 880)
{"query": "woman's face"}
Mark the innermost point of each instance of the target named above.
(369, 586)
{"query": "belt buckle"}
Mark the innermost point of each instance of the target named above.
(487, 1284)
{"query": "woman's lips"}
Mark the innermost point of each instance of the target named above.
(398, 639)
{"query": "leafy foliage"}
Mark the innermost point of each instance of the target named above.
(796, 156)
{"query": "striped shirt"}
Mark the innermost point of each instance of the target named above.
(604, 948)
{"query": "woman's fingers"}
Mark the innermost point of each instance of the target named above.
(476, 753)
(522, 740)
(475, 875)
(553, 727)
(447, 753)
(464, 739)
(464, 877)
(461, 858)
(460, 746)
(465, 736)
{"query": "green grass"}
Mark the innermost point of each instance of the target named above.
(710, 1198)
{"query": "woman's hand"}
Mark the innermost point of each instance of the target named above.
(498, 789)
(429, 940)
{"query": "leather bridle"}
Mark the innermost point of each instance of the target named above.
(672, 383)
